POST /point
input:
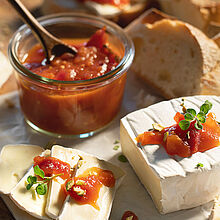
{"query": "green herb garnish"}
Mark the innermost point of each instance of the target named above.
(199, 165)
(116, 147)
(41, 188)
(191, 115)
(69, 185)
(122, 158)
(39, 172)
(116, 142)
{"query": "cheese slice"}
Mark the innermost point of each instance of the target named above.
(56, 195)
(74, 211)
(29, 200)
(174, 183)
(6, 69)
(15, 160)
(105, 10)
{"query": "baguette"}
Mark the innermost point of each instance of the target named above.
(199, 13)
(174, 57)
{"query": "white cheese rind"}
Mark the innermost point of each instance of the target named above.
(215, 214)
(15, 160)
(29, 200)
(173, 182)
(56, 195)
(74, 211)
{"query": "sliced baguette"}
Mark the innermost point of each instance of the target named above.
(174, 57)
(196, 12)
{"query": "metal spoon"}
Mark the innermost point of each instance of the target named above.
(52, 46)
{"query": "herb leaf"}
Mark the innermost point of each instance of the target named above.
(116, 142)
(41, 189)
(206, 107)
(39, 172)
(191, 111)
(199, 165)
(122, 158)
(116, 147)
(198, 125)
(201, 117)
(188, 117)
(184, 124)
(32, 179)
(28, 187)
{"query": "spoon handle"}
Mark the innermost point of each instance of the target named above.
(40, 32)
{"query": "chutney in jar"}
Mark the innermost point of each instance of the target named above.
(71, 110)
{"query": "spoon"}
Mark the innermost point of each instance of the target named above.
(52, 46)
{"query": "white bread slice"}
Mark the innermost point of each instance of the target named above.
(196, 12)
(174, 57)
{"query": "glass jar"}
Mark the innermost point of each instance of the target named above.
(71, 108)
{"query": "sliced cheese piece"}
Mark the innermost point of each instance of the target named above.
(56, 195)
(15, 160)
(74, 211)
(29, 200)
(6, 69)
(174, 183)
(105, 10)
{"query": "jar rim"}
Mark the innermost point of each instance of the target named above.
(110, 26)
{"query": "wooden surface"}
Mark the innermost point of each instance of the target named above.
(9, 22)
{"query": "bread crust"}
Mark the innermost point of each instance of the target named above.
(199, 77)
(202, 12)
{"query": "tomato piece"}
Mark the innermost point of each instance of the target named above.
(87, 192)
(52, 166)
(98, 39)
(106, 177)
(184, 143)
(210, 134)
(176, 146)
(128, 214)
(117, 3)
(178, 117)
(150, 137)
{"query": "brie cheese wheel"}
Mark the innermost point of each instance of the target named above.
(74, 211)
(29, 200)
(56, 197)
(174, 183)
(15, 160)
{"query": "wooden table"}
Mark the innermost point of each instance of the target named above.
(9, 22)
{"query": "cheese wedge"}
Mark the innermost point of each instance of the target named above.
(15, 160)
(56, 195)
(174, 183)
(74, 211)
(29, 200)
